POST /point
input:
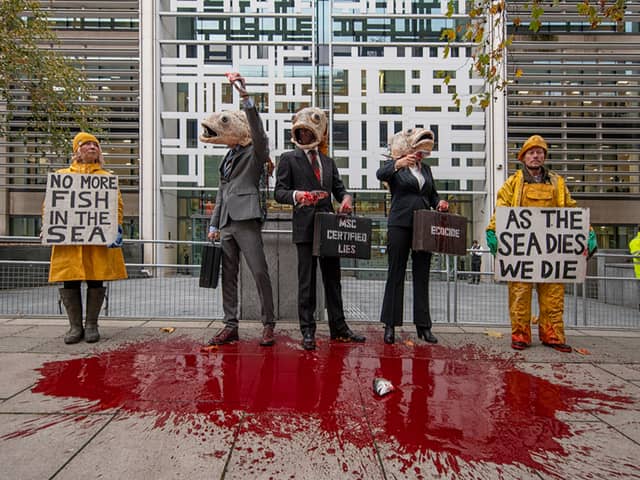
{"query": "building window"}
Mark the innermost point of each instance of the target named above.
(392, 81)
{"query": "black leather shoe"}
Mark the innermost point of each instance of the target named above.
(308, 341)
(425, 334)
(389, 335)
(226, 335)
(268, 338)
(348, 336)
(560, 347)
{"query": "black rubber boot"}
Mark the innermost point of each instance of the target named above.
(72, 301)
(95, 297)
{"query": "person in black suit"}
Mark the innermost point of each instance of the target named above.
(306, 178)
(412, 188)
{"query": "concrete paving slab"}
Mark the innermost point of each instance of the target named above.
(302, 447)
(44, 331)
(597, 451)
(178, 324)
(38, 321)
(629, 372)
(121, 323)
(8, 330)
(18, 371)
(17, 344)
(135, 447)
(626, 333)
(38, 446)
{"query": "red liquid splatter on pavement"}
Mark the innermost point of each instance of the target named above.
(450, 405)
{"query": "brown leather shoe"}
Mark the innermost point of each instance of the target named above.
(267, 336)
(226, 335)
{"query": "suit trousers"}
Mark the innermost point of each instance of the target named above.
(398, 246)
(244, 236)
(330, 269)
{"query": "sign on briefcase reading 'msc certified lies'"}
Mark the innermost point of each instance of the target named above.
(439, 232)
(337, 235)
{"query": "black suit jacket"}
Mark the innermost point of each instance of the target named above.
(406, 194)
(294, 172)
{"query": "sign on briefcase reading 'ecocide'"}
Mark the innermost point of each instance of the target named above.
(80, 209)
(341, 236)
(542, 244)
(439, 232)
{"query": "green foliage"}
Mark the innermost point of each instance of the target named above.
(486, 16)
(46, 98)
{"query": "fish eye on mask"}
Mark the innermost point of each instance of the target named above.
(410, 131)
(316, 117)
(225, 119)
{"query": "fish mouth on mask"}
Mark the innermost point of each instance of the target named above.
(424, 142)
(296, 135)
(208, 132)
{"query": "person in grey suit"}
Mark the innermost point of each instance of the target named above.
(237, 217)
(306, 178)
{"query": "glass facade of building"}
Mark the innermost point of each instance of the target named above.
(376, 68)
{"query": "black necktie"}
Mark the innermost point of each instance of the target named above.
(313, 155)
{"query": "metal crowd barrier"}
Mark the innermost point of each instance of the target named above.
(609, 299)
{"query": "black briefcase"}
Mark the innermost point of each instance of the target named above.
(210, 266)
(337, 235)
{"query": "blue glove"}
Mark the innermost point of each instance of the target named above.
(118, 242)
(592, 243)
(492, 241)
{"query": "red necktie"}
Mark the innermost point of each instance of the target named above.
(313, 155)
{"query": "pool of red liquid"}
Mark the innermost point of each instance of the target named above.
(471, 405)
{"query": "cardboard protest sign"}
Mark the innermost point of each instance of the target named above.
(542, 244)
(80, 209)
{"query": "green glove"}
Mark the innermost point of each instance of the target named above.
(592, 243)
(492, 241)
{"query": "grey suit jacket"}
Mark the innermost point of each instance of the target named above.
(238, 196)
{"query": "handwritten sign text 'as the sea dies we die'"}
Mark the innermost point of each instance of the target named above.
(542, 244)
(80, 209)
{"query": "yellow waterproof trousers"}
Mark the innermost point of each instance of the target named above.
(551, 305)
(550, 295)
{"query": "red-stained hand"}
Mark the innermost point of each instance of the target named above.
(443, 206)
(346, 205)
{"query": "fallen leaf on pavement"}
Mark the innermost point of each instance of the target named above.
(209, 348)
(494, 334)
(409, 343)
(582, 351)
(168, 329)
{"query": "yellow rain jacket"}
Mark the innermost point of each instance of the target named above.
(634, 248)
(87, 262)
(517, 193)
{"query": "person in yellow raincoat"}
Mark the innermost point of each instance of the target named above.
(634, 249)
(535, 186)
(72, 264)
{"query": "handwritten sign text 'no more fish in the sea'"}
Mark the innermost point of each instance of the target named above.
(542, 244)
(80, 209)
